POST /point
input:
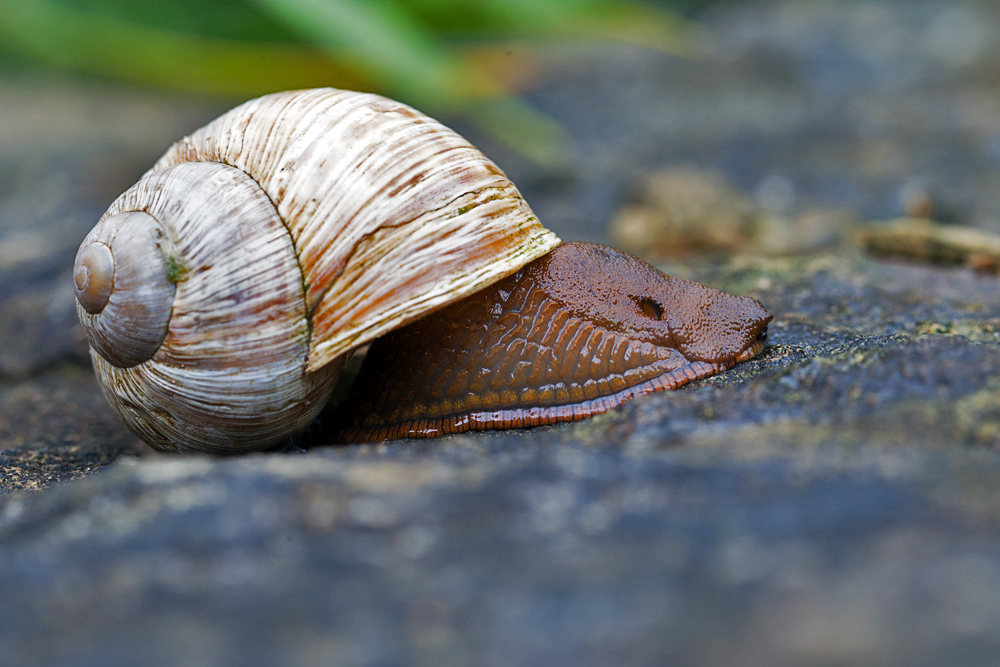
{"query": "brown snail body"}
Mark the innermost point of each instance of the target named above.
(222, 294)
(573, 334)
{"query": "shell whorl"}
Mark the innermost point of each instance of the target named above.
(279, 237)
(229, 375)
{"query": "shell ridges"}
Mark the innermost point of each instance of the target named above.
(363, 182)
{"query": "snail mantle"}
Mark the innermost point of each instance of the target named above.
(222, 294)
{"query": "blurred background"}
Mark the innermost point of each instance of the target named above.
(876, 107)
(662, 127)
(443, 56)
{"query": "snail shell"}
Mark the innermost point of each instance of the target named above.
(222, 293)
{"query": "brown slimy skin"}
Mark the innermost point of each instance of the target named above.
(573, 334)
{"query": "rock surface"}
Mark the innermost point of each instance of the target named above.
(835, 501)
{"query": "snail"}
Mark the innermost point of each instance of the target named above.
(222, 293)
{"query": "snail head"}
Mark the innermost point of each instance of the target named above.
(626, 295)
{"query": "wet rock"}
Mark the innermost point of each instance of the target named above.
(478, 547)
(844, 485)
(56, 427)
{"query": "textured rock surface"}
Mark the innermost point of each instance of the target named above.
(835, 501)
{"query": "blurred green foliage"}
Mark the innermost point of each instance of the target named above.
(442, 56)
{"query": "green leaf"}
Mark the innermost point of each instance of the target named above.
(398, 53)
(250, 47)
(111, 46)
(619, 20)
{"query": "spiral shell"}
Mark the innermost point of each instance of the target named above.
(261, 249)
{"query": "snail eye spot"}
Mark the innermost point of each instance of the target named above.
(650, 308)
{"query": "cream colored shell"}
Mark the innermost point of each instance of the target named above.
(392, 214)
(295, 228)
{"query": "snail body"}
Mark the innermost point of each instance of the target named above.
(222, 293)
(573, 334)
